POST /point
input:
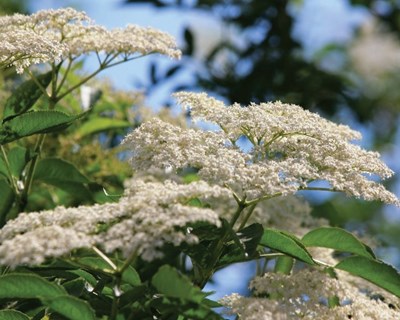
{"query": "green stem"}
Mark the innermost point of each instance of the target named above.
(202, 276)
(104, 65)
(128, 262)
(13, 183)
(118, 279)
(31, 172)
(117, 294)
(57, 90)
(284, 264)
(105, 258)
(247, 217)
(43, 89)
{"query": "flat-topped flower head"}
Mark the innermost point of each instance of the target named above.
(54, 35)
(291, 148)
(303, 295)
(150, 215)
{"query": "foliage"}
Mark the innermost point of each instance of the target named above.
(129, 259)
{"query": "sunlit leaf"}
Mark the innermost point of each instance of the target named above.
(377, 272)
(29, 286)
(35, 122)
(13, 315)
(70, 307)
(337, 239)
(286, 243)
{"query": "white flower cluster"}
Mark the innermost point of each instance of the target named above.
(290, 213)
(54, 35)
(291, 149)
(304, 295)
(147, 217)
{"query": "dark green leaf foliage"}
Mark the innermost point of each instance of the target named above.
(243, 245)
(130, 275)
(70, 307)
(12, 315)
(7, 197)
(286, 243)
(337, 239)
(28, 286)
(180, 296)
(35, 122)
(208, 235)
(171, 283)
(375, 271)
(25, 96)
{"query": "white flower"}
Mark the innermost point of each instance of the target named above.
(291, 148)
(304, 295)
(149, 216)
(54, 35)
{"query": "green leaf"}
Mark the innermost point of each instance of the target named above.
(171, 283)
(3, 168)
(51, 169)
(35, 122)
(244, 246)
(70, 307)
(18, 157)
(130, 275)
(97, 125)
(13, 315)
(28, 286)
(337, 239)
(286, 243)
(375, 271)
(64, 175)
(25, 96)
(6, 200)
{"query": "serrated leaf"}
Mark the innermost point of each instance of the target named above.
(13, 315)
(375, 271)
(70, 307)
(337, 239)
(97, 125)
(28, 286)
(171, 283)
(25, 96)
(35, 122)
(286, 243)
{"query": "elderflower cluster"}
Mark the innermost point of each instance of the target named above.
(55, 35)
(290, 213)
(304, 295)
(290, 149)
(139, 223)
